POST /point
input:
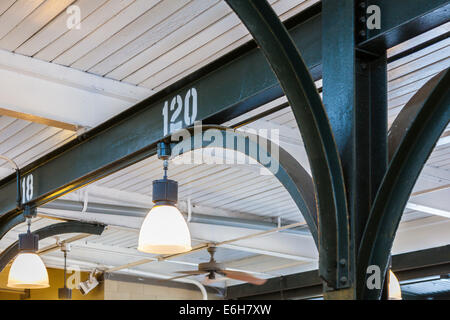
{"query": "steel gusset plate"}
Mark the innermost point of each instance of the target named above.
(412, 138)
(296, 82)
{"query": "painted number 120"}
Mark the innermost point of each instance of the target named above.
(180, 112)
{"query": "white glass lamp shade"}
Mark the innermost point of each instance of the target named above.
(395, 293)
(164, 231)
(28, 272)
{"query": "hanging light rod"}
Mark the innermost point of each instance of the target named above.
(65, 293)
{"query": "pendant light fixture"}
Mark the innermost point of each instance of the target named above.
(164, 230)
(28, 270)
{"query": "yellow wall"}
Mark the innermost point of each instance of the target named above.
(56, 278)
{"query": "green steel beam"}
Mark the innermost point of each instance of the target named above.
(403, 19)
(233, 85)
(49, 231)
(413, 136)
(287, 63)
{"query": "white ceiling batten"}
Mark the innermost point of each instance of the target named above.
(427, 209)
(106, 30)
(16, 13)
(208, 57)
(24, 141)
(33, 22)
(149, 45)
(420, 234)
(271, 243)
(192, 51)
(150, 27)
(266, 252)
(444, 140)
(56, 28)
(99, 16)
(5, 5)
(60, 93)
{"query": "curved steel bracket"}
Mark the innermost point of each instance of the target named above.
(55, 229)
(9, 222)
(290, 69)
(283, 166)
(411, 140)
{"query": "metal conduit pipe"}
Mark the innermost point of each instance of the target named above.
(69, 205)
(10, 161)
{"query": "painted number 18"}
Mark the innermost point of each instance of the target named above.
(27, 188)
(178, 118)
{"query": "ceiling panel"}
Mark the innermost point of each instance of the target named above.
(25, 141)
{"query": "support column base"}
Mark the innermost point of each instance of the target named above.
(341, 294)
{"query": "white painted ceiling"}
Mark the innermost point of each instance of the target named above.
(126, 50)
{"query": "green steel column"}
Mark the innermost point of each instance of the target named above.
(355, 97)
(412, 138)
(296, 82)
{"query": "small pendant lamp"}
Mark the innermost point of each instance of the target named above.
(164, 230)
(28, 270)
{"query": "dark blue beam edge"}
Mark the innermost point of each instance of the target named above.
(413, 136)
(55, 229)
(294, 178)
(402, 20)
(287, 63)
(228, 88)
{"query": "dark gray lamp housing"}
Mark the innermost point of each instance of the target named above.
(29, 242)
(165, 191)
